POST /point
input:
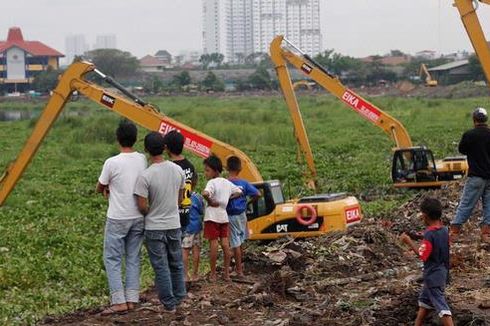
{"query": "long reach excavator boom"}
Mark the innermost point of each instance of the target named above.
(467, 10)
(413, 167)
(133, 109)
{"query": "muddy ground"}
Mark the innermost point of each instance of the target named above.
(360, 277)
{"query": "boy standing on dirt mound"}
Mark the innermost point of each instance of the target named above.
(217, 193)
(434, 252)
(124, 227)
(159, 191)
(236, 210)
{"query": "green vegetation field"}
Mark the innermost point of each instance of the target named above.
(51, 227)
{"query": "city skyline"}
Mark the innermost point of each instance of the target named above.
(77, 45)
(357, 28)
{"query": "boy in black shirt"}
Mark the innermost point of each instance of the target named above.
(174, 144)
(434, 252)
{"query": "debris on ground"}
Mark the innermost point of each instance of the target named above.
(360, 277)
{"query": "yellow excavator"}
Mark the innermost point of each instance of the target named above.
(423, 71)
(303, 84)
(268, 218)
(468, 12)
(413, 166)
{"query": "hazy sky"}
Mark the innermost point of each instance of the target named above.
(353, 27)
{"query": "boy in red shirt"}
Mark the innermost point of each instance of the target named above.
(434, 252)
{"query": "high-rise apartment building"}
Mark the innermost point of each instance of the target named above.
(269, 20)
(298, 20)
(213, 16)
(303, 24)
(239, 29)
(106, 41)
(248, 26)
(75, 45)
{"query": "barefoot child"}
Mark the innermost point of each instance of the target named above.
(434, 252)
(192, 235)
(217, 193)
(236, 210)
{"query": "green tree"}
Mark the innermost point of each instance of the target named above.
(475, 68)
(377, 71)
(325, 58)
(396, 53)
(153, 85)
(46, 81)
(114, 62)
(337, 63)
(182, 79)
(217, 58)
(212, 83)
(260, 79)
(205, 60)
(239, 58)
(256, 58)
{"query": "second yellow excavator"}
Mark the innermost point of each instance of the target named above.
(423, 71)
(412, 167)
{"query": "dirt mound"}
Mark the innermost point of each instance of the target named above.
(461, 90)
(464, 89)
(359, 277)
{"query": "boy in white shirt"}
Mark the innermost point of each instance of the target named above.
(217, 193)
(124, 227)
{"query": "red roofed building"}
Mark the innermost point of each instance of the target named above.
(21, 60)
(160, 61)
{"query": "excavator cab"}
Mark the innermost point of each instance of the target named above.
(414, 164)
(271, 195)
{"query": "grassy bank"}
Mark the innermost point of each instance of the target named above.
(52, 225)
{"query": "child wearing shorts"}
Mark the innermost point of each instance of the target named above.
(217, 193)
(192, 234)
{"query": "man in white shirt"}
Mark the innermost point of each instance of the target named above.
(124, 226)
(159, 191)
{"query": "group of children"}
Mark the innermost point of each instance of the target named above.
(225, 220)
(150, 201)
(157, 204)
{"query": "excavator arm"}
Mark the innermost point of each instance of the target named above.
(299, 127)
(133, 109)
(467, 10)
(412, 166)
(282, 55)
(428, 78)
